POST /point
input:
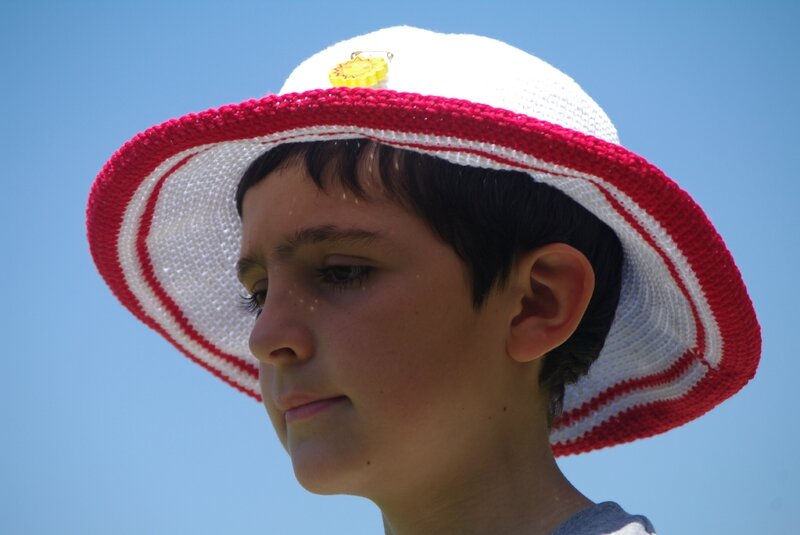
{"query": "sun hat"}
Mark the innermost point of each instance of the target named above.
(164, 232)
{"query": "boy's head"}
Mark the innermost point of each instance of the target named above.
(498, 151)
(489, 218)
(403, 304)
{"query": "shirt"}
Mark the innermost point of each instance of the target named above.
(606, 518)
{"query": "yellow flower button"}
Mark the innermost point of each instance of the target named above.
(359, 71)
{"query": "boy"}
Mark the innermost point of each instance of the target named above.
(455, 272)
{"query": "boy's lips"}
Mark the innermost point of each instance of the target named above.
(301, 406)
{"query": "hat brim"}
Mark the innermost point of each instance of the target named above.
(685, 337)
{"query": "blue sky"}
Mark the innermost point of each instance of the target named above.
(107, 429)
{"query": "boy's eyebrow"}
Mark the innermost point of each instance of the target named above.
(310, 236)
(324, 233)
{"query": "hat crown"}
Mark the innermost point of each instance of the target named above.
(468, 67)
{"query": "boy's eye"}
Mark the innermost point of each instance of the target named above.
(341, 276)
(253, 303)
(337, 276)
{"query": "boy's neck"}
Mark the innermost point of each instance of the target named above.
(514, 492)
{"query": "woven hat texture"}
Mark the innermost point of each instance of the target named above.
(164, 231)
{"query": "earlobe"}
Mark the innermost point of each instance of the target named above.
(555, 283)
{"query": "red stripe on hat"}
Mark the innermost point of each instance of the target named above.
(643, 421)
(169, 304)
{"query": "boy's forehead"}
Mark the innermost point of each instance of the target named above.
(367, 186)
(288, 210)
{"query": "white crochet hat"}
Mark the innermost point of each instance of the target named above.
(164, 231)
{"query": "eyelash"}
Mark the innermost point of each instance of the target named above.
(356, 276)
(251, 303)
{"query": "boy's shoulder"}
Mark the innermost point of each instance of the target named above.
(606, 518)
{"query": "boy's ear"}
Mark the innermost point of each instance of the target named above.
(556, 282)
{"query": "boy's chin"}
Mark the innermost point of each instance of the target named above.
(322, 470)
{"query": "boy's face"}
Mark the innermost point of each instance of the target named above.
(375, 369)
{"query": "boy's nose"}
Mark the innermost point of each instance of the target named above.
(280, 335)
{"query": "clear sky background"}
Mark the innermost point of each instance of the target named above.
(105, 428)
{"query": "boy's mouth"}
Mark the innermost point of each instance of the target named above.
(301, 406)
